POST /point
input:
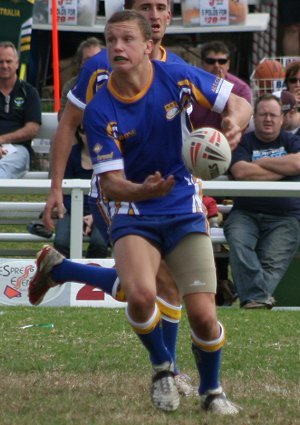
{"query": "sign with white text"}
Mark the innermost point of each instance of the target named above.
(214, 12)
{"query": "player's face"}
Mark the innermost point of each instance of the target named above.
(8, 63)
(268, 120)
(126, 45)
(216, 63)
(158, 13)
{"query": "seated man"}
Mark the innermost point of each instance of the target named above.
(263, 233)
(79, 166)
(215, 58)
(20, 115)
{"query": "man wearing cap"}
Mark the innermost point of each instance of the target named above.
(291, 113)
(263, 233)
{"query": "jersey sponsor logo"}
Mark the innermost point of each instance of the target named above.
(217, 85)
(172, 109)
(112, 129)
(19, 102)
(105, 157)
(97, 148)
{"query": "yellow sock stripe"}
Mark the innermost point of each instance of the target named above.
(117, 292)
(168, 311)
(214, 345)
(146, 327)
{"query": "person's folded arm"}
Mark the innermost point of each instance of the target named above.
(288, 165)
(243, 170)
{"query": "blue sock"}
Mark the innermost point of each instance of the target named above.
(150, 334)
(208, 365)
(99, 277)
(154, 343)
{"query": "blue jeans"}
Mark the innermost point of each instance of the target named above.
(261, 249)
(97, 248)
(15, 165)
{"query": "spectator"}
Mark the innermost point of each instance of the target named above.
(291, 113)
(292, 79)
(20, 116)
(79, 166)
(215, 58)
(226, 291)
(86, 49)
(263, 233)
(289, 18)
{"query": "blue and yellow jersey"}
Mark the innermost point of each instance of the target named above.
(144, 134)
(96, 71)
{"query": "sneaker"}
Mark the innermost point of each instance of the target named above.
(215, 401)
(184, 385)
(41, 282)
(164, 393)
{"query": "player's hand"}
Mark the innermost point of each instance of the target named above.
(155, 185)
(54, 208)
(232, 132)
(87, 224)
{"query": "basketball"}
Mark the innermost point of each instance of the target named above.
(267, 72)
(206, 153)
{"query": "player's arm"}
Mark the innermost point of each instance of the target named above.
(115, 186)
(288, 165)
(243, 170)
(61, 148)
(236, 117)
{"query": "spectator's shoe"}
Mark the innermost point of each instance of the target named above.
(41, 282)
(252, 304)
(164, 393)
(216, 402)
(184, 385)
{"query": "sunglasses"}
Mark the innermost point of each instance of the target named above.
(212, 61)
(293, 80)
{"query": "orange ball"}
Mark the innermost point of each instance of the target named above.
(267, 72)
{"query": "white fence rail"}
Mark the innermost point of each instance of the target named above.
(77, 188)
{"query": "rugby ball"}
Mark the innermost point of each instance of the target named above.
(206, 153)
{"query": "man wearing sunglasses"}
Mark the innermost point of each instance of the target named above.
(215, 58)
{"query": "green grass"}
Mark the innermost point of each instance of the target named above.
(90, 369)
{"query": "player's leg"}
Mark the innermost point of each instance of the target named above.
(137, 263)
(53, 269)
(169, 304)
(192, 264)
(168, 301)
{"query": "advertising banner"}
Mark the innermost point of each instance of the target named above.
(16, 25)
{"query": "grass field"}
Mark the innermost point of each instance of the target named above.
(90, 369)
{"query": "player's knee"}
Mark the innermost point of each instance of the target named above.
(141, 298)
(212, 344)
(205, 326)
